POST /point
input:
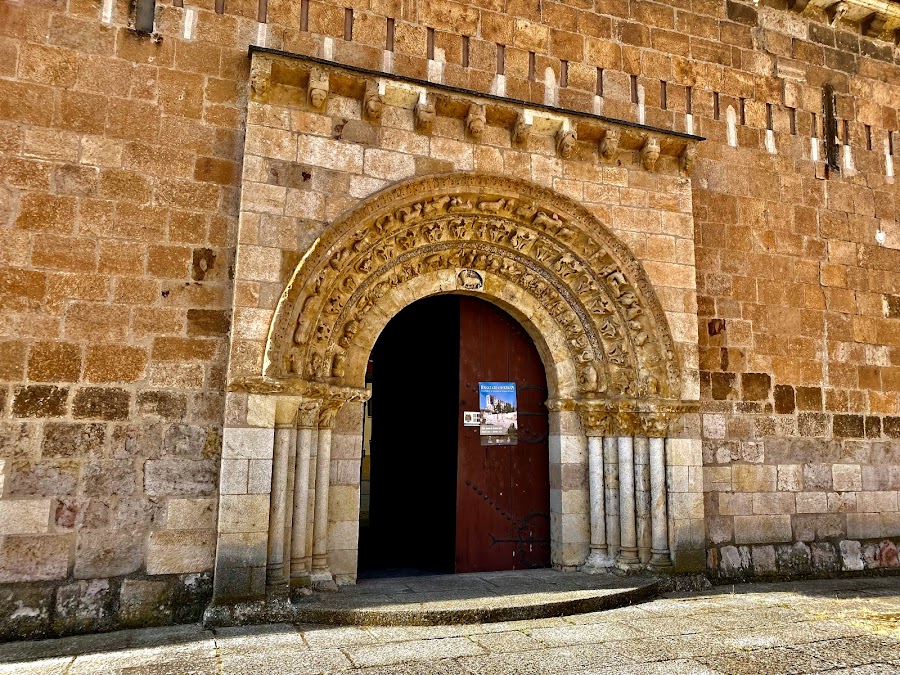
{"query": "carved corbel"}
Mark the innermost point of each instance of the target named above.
(650, 153)
(565, 143)
(609, 146)
(373, 102)
(475, 121)
(317, 93)
(424, 116)
(688, 159)
(260, 75)
(521, 131)
(836, 12)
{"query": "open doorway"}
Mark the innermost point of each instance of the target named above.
(436, 496)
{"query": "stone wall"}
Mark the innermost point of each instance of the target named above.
(120, 162)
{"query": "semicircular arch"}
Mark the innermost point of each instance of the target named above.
(576, 288)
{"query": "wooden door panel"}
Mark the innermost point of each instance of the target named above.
(503, 492)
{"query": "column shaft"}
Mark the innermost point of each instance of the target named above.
(599, 556)
(658, 496)
(611, 480)
(320, 522)
(278, 507)
(299, 552)
(642, 495)
(628, 553)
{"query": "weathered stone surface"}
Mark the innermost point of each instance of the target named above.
(26, 611)
(145, 603)
(84, 605)
(180, 477)
(181, 552)
(184, 440)
(108, 554)
(101, 403)
(73, 439)
(44, 479)
(108, 477)
(34, 557)
(40, 401)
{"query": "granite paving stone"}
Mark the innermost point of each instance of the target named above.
(836, 626)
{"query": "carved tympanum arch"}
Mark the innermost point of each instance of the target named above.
(576, 288)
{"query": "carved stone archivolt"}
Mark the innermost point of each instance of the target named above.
(576, 288)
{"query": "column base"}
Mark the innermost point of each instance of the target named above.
(628, 560)
(660, 559)
(322, 580)
(598, 561)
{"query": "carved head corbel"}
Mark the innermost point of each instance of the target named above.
(650, 153)
(565, 143)
(259, 79)
(424, 116)
(521, 130)
(373, 102)
(688, 159)
(475, 121)
(318, 88)
(609, 146)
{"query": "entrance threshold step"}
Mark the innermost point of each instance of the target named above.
(486, 597)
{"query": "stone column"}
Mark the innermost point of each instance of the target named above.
(276, 579)
(320, 575)
(611, 480)
(660, 556)
(628, 553)
(642, 495)
(599, 555)
(308, 424)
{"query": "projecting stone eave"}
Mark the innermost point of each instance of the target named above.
(612, 135)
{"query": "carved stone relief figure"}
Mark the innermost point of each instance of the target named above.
(650, 153)
(373, 103)
(609, 146)
(565, 143)
(424, 116)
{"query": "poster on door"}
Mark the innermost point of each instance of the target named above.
(499, 416)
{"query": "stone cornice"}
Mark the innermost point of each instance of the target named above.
(639, 131)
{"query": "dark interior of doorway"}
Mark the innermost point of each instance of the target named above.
(414, 373)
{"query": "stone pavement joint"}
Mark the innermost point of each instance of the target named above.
(835, 626)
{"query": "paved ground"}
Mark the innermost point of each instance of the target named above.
(473, 598)
(848, 626)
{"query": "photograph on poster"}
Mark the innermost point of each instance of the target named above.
(499, 416)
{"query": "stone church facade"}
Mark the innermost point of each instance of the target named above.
(207, 221)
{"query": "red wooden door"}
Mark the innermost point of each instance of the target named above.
(503, 491)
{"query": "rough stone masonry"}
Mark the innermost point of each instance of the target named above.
(154, 207)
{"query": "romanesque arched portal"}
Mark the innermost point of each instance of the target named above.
(612, 367)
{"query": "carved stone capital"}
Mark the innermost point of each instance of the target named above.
(308, 415)
(373, 102)
(328, 412)
(597, 418)
(650, 153)
(317, 92)
(475, 121)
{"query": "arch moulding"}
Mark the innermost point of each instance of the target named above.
(580, 293)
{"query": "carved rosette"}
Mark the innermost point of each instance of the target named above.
(534, 240)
